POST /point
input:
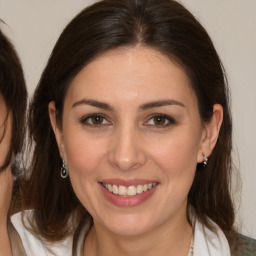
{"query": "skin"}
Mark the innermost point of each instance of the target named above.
(6, 180)
(130, 144)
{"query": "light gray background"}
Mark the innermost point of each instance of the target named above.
(34, 26)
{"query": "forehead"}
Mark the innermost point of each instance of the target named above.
(130, 73)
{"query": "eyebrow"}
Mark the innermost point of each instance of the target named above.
(160, 103)
(146, 106)
(93, 103)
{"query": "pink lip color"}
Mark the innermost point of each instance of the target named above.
(128, 201)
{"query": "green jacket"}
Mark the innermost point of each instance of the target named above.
(246, 246)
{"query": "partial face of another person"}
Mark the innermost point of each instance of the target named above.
(5, 175)
(5, 130)
(132, 137)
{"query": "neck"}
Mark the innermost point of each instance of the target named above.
(172, 237)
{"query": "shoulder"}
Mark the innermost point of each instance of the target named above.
(32, 244)
(209, 242)
(246, 246)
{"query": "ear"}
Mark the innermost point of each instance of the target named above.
(210, 133)
(56, 129)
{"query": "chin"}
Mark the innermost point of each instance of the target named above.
(128, 225)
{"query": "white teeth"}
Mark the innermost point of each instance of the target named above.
(128, 191)
(139, 189)
(122, 191)
(131, 191)
(109, 187)
(115, 189)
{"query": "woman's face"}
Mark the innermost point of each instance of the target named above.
(5, 175)
(132, 137)
(5, 130)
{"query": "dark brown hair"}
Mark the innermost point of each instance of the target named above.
(166, 26)
(13, 89)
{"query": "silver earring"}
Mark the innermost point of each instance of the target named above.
(205, 160)
(64, 170)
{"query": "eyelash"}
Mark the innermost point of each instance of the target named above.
(85, 120)
(170, 121)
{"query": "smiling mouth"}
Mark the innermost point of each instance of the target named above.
(130, 190)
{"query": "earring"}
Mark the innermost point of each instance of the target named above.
(205, 161)
(64, 170)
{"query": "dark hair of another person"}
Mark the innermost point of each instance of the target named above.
(13, 89)
(167, 27)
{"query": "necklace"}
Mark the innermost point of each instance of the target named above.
(191, 249)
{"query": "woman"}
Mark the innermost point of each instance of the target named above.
(132, 134)
(13, 101)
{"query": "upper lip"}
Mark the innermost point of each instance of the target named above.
(127, 183)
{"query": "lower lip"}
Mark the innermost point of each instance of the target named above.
(128, 201)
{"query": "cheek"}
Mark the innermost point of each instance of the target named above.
(5, 139)
(176, 153)
(176, 159)
(84, 153)
(84, 157)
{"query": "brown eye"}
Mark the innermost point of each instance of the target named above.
(159, 120)
(97, 119)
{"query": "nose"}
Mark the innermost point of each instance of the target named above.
(126, 151)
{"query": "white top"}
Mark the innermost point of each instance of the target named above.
(34, 247)
(206, 242)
